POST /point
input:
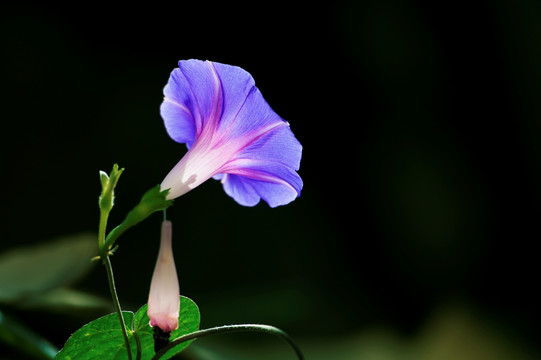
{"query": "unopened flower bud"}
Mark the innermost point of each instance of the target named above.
(164, 297)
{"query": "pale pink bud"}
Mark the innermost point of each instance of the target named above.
(164, 297)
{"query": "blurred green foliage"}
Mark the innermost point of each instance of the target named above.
(33, 270)
(36, 279)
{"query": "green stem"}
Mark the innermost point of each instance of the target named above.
(114, 235)
(230, 329)
(116, 302)
(138, 344)
(104, 215)
(106, 202)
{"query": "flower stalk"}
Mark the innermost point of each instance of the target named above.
(116, 303)
(231, 329)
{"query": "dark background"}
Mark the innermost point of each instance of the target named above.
(421, 162)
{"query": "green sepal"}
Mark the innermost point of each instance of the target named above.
(153, 200)
(102, 338)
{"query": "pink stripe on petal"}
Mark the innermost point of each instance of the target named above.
(260, 176)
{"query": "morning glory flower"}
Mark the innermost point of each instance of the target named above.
(164, 297)
(232, 135)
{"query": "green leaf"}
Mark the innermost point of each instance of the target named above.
(102, 338)
(18, 336)
(188, 322)
(99, 339)
(153, 200)
(26, 272)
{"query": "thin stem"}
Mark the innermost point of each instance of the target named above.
(116, 302)
(106, 202)
(230, 329)
(138, 344)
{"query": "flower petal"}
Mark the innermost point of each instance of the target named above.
(244, 110)
(193, 97)
(235, 134)
(266, 169)
(243, 192)
(201, 92)
(248, 190)
(278, 146)
(179, 121)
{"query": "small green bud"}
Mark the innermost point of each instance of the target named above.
(108, 184)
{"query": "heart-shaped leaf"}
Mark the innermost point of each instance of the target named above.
(102, 338)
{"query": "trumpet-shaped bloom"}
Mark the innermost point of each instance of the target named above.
(164, 297)
(232, 134)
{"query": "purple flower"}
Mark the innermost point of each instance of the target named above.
(164, 297)
(232, 134)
